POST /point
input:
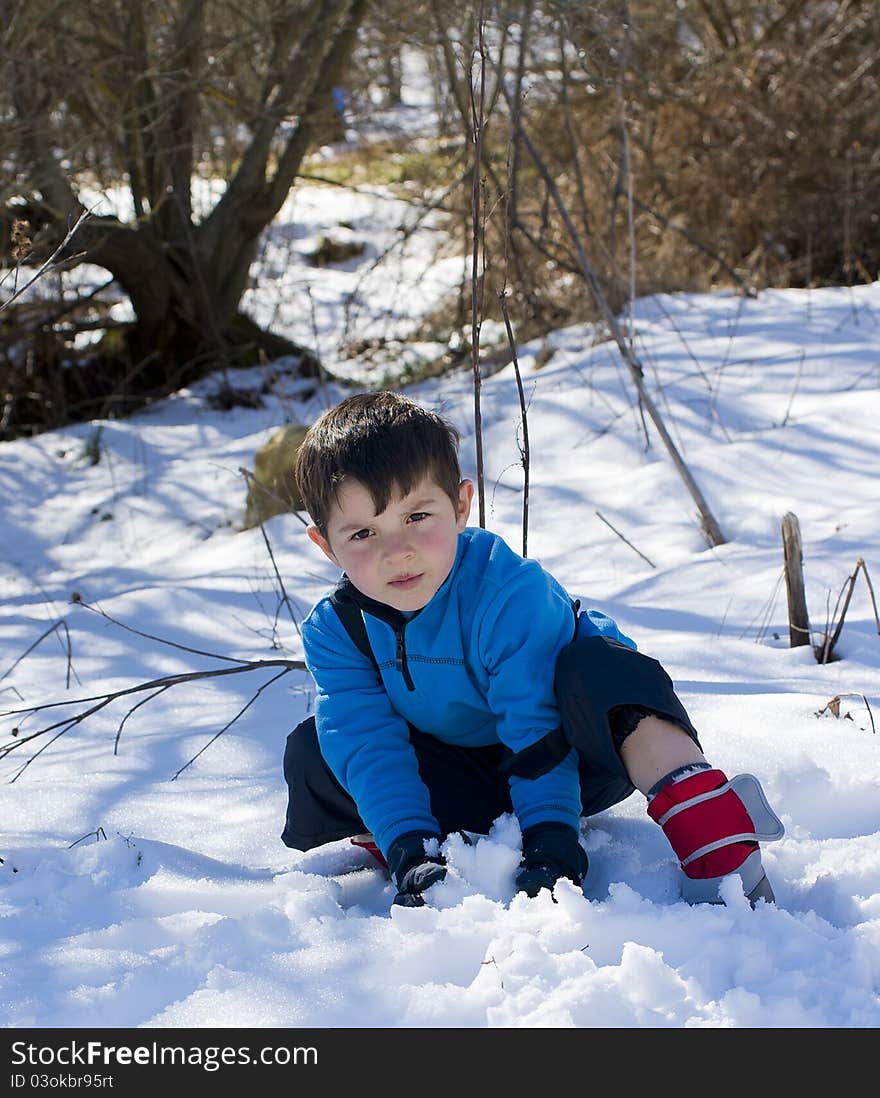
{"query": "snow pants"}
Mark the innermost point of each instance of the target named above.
(598, 681)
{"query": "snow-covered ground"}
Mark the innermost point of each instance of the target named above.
(143, 881)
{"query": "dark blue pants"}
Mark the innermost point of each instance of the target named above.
(595, 677)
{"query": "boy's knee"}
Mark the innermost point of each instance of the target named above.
(614, 687)
(608, 668)
(598, 679)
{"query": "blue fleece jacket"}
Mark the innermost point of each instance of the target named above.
(474, 667)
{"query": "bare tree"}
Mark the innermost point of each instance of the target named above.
(161, 99)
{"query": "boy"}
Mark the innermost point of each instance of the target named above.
(457, 681)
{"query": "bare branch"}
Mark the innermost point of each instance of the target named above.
(50, 262)
(77, 600)
(826, 649)
(135, 707)
(477, 119)
(99, 833)
(513, 171)
(524, 446)
(249, 476)
(625, 540)
(54, 628)
(229, 724)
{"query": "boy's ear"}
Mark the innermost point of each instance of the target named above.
(465, 496)
(322, 543)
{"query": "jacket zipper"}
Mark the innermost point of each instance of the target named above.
(400, 657)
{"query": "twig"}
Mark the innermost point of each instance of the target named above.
(767, 610)
(514, 153)
(49, 262)
(249, 476)
(824, 653)
(628, 542)
(524, 447)
(626, 180)
(60, 624)
(285, 598)
(35, 755)
(66, 307)
(871, 593)
(285, 503)
(478, 121)
(573, 142)
(99, 833)
(143, 701)
(830, 640)
(229, 724)
(797, 384)
(77, 599)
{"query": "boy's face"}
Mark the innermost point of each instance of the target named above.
(402, 556)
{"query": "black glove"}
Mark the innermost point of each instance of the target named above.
(550, 851)
(412, 869)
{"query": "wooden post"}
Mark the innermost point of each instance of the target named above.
(798, 620)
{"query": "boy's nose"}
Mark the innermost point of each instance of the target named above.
(398, 547)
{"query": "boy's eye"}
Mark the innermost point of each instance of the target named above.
(417, 516)
(360, 535)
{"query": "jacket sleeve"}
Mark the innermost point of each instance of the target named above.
(522, 632)
(593, 623)
(363, 740)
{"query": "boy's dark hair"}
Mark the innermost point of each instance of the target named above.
(385, 441)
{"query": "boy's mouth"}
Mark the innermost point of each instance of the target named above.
(403, 582)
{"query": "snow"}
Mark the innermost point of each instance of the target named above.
(143, 881)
